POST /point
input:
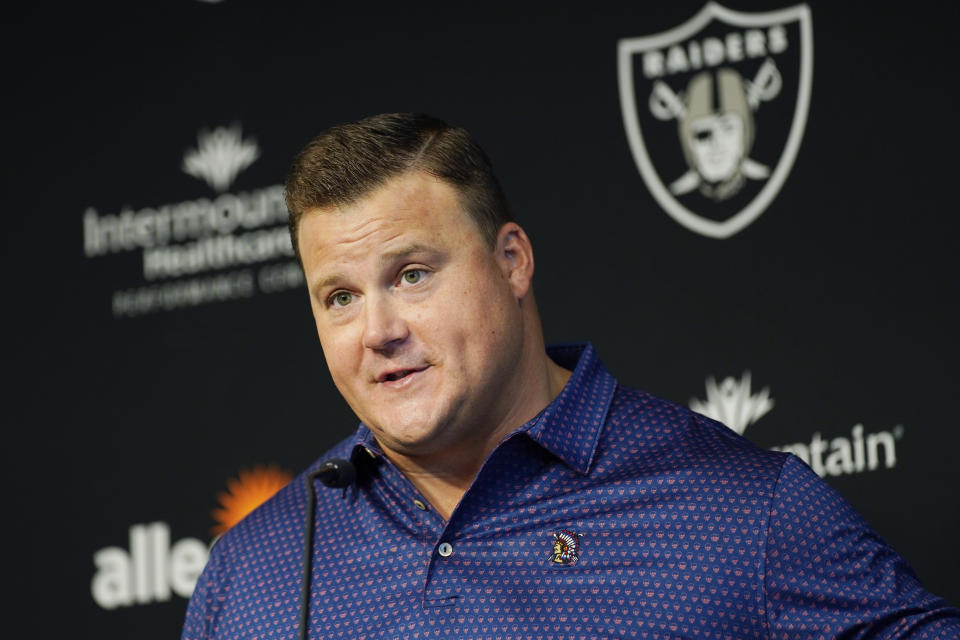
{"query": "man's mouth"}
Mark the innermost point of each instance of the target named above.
(398, 374)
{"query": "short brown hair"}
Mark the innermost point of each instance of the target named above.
(349, 160)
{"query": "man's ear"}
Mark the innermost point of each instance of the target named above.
(514, 253)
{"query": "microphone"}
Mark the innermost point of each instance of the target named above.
(337, 473)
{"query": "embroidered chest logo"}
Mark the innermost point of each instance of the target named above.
(566, 547)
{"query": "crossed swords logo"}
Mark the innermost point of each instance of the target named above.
(717, 142)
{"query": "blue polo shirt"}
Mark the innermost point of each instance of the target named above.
(611, 514)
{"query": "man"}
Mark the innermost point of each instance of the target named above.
(507, 491)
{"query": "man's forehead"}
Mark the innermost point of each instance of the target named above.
(407, 190)
(413, 204)
(396, 230)
(418, 216)
(407, 194)
(381, 239)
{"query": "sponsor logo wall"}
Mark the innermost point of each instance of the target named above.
(153, 570)
(180, 242)
(739, 206)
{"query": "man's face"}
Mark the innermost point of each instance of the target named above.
(419, 323)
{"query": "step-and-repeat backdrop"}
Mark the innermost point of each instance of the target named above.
(748, 210)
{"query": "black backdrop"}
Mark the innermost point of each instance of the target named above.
(839, 301)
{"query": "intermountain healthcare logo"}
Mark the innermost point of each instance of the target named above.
(714, 111)
(153, 569)
(733, 403)
(182, 241)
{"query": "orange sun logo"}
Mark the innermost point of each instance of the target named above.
(246, 492)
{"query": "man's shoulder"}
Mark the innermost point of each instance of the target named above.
(645, 432)
(662, 434)
(636, 411)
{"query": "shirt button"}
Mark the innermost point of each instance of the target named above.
(445, 549)
(419, 505)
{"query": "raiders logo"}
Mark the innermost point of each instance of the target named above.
(714, 112)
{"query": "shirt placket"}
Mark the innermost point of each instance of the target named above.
(441, 586)
(439, 543)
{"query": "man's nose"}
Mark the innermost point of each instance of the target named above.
(384, 327)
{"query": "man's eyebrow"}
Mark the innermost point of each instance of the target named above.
(405, 250)
(327, 280)
(387, 256)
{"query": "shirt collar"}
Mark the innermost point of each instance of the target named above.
(569, 427)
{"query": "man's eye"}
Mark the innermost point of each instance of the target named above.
(341, 299)
(413, 276)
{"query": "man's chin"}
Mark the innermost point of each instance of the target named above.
(411, 439)
(410, 449)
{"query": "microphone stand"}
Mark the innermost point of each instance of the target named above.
(332, 473)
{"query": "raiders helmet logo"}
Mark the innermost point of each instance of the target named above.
(714, 112)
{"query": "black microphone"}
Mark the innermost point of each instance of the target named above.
(337, 473)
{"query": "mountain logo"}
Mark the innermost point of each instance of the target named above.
(220, 155)
(733, 403)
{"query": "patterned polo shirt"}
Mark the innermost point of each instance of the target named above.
(611, 514)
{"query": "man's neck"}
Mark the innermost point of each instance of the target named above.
(444, 477)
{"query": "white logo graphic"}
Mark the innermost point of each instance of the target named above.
(220, 155)
(201, 251)
(732, 403)
(706, 85)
